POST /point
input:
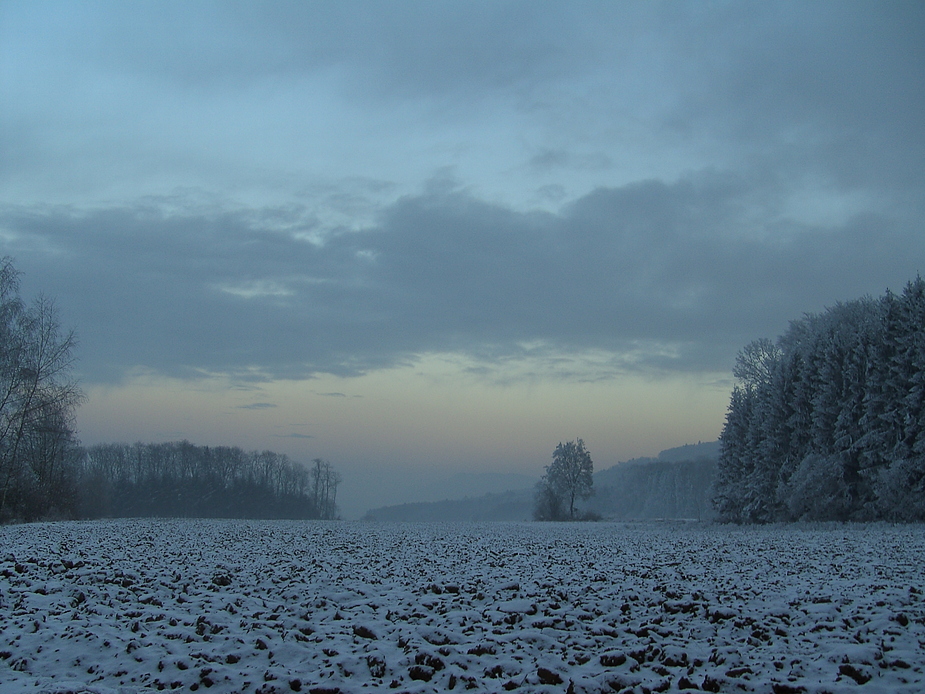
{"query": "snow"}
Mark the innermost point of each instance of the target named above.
(268, 606)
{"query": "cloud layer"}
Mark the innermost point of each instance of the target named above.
(280, 190)
(653, 275)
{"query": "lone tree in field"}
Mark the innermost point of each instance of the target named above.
(569, 477)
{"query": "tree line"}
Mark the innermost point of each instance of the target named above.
(181, 479)
(828, 421)
(46, 473)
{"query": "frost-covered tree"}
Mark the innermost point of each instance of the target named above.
(38, 396)
(547, 503)
(828, 422)
(737, 458)
(754, 434)
(568, 478)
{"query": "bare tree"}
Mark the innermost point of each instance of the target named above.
(37, 392)
(325, 481)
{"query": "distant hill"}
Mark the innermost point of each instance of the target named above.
(657, 490)
(692, 451)
(514, 505)
(475, 484)
(676, 484)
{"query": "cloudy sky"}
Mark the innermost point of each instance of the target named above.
(417, 238)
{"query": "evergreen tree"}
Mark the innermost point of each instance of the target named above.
(828, 422)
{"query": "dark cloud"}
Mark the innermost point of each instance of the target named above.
(660, 276)
(813, 88)
(754, 161)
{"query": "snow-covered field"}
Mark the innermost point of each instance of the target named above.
(237, 606)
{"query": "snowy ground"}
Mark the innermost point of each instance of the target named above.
(237, 606)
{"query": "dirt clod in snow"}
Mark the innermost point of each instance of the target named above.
(267, 607)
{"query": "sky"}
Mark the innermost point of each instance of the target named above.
(420, 239)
